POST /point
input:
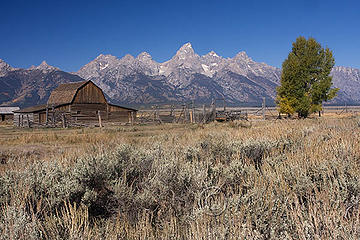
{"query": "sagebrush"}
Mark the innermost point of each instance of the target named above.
(289, 179)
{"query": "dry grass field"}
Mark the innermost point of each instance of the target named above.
(283, 179)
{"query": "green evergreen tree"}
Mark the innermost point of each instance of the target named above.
(305, 79)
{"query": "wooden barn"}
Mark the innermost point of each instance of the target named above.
(7, 113)
(76, 103)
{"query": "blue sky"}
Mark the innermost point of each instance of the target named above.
(69, 34)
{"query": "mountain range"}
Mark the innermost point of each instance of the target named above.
(185, 77)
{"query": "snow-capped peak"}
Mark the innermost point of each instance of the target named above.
(212, 53)
(185, 49)
(44, 67)
(128, 57)
(106, 57)
(4, 64)
(100, 56)
(186, 45)
(144, 56)
(243, 56)
(345, 69)
(4, 68)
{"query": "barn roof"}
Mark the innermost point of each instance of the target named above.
(65, 93)
(128, 108)
(8, 110)
(39, 108)
(32, 109)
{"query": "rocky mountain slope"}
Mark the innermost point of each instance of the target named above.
(185, 77)
(188, 76)
(4, 68)
(28, 87)
(348, 80)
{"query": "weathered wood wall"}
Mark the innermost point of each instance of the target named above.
(90, 94)
(6, 117)
(119, 116)
(42, 117)
(123, 114)
(88, 104)
(113, 108)
(23, 119)
(88, 112)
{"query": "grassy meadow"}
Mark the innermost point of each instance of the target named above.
(278, 179)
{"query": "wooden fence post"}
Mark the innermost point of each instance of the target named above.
(28, 120)
(157, 113)
(63, 120)
(99, 115)
(204, 114)
(47, 115)
(53, 117)
(172, 110)
(213, 113)
(181, 113)
(263, 108)
(193, 112)
(154, 113)
(132, 118)
(186, 113)
(346, 108)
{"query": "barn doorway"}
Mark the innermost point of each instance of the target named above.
(2, 117)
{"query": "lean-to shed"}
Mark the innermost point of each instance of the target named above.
(7, 113)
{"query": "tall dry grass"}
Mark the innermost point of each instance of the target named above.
(295, 179)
